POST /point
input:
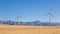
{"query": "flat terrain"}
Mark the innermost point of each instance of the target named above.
(10, 29)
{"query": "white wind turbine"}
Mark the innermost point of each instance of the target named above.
(19, 18)
(50, 17)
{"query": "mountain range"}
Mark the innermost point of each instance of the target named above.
(34, 23)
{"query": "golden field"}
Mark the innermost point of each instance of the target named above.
(14, 29)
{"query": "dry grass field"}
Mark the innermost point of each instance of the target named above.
(14, 29)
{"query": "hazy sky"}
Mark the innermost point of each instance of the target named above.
(29, 10)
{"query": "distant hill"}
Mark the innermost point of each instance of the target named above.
(34, 23)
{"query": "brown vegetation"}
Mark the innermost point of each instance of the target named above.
(14, 29)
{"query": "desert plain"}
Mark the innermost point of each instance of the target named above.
(17, 29)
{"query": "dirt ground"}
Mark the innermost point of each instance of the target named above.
(14, 29)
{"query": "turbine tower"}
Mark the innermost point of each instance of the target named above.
(50, 17)
(5, 20)
(18, 17)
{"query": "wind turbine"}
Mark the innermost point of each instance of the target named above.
(18, 20)
(5, 20)
(19, 17)
(50, 17)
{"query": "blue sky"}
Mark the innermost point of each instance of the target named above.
(29, 10)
